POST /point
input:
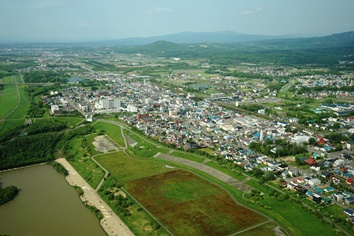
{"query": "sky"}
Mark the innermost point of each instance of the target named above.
(92, 20)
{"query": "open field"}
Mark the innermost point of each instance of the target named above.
(124, 168)
(21, 110)
(72, 121)
(150, 148)
(113, 131)
(79, 159)
(190, 205)
(9, 79)
(8, 99)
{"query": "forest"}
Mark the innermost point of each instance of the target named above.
(24, 146)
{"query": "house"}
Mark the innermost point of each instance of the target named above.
(326, 174)
(314, 182)
(329, 189)
(349, 200)
(316, 198)
(349, 212)
(309, 193)
(291, 185)
(326, 200)
(349, 181)
(285, 174)
(338, 197)
(300, 181)
(310, 161)
(283, 184)
(319, 190)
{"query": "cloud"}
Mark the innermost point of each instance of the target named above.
(249, 12)
(158, 10)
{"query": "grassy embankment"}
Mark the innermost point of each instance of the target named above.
(8, 102)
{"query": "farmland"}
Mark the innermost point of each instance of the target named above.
(188, 204)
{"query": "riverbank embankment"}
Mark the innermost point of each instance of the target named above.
(111, 223)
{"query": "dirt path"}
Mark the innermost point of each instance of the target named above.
(111, 223)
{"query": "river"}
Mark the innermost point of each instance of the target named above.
(46, 205)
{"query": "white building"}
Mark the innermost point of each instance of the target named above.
(107, 103)
(314, 182)
(131, 108)
(54, 109)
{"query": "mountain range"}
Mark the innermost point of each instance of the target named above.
(197, 37)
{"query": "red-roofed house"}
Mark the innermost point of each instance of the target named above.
(349, 181)
(310, 161)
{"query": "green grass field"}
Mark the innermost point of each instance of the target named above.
(21, 110)
(188, 156)
(8, 99)
(82, 162)
(124, 168)
(297, 220)
(190, 205)
(113, 131)
(150, 146)
(11, 79)
(72, 121)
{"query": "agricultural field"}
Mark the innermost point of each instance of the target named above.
(189, 205)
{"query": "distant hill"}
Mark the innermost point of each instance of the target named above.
(195, 37)
(317, 50)
(334, 40)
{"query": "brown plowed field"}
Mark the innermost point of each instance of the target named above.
(190, 205)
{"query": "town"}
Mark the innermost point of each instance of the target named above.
(288, 127)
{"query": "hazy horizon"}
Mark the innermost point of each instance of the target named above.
(92, 20)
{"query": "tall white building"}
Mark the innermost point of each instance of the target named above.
(107, 103)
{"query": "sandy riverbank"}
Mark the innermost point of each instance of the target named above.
(111, 223)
